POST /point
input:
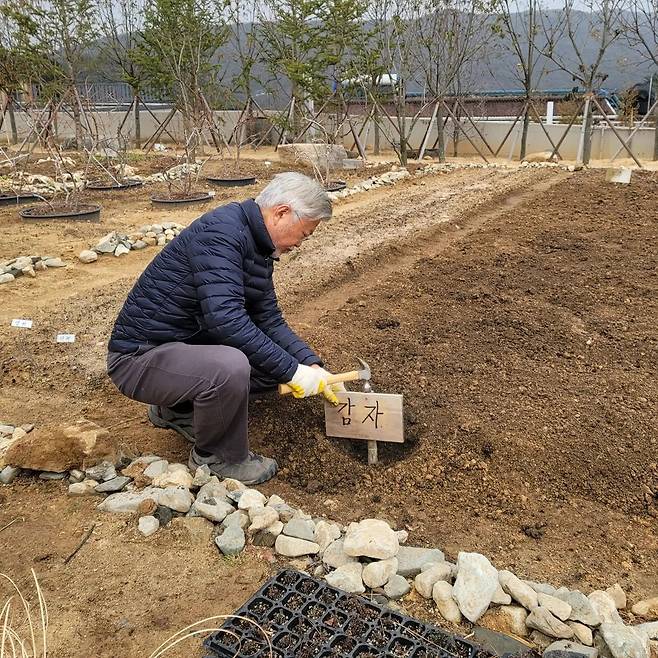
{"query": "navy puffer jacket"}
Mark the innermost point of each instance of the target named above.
(213, 285)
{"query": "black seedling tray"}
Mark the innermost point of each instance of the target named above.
(307, 618)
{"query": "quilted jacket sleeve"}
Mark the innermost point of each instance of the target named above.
(216, 258)
(269, 319)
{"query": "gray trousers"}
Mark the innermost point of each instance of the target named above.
(215, 379)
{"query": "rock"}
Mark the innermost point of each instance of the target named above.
(403, 535)
(163, 515)
(508, 619)
(582, 633)
(250, 498)
(619, 596)
(518, 590)
(202, 476)
(569, 649)
(148, 507)
(559, 608)
(7, 430)
(76, 475)
(127, 501)
(51, 475)
(371, 538)
(650, 628)
(101, 472)
(148, 525)
(300, 528)
(285, 512)
(377, 574)
(215, 511)
(442, 596)
(108, 243)
(84, 488)
(262, 518)
(648, 608)
(397, 587)
(581, 607)
(54, 262)
(604, 606)
(324, 533)
(476, 582)
(545, 588)
(347, 577)
(334, 555)
(424, 581)
(214, 489)
(173, 478)
(139, 244)
(29, 271)
(87, 256)
(231, 541)
(294, 547)
(411, 559)
(180, 500)
(500, 597)
(238, 518)
(8, 474)
(61, 449)
(121, 249)
(156, 468)
(624, 641)
(115, 484)
(6, 277)
(542, 641)
(267, 536)
(542, 620)
(18, 434)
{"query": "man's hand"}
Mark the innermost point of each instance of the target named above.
(338, 387)
(308, 381)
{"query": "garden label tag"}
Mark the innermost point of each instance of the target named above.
(23, 324)
(65, 338)
(368, 416)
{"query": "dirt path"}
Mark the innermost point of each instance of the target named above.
(516, 311)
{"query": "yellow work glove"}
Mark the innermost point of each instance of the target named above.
(309, 381)
(338, 387)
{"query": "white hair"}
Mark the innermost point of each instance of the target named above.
(304, 195)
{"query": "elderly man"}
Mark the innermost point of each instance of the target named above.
(202, 327)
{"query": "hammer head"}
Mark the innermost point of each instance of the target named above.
(364, 373)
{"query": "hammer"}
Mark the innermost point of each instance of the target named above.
(351, 376)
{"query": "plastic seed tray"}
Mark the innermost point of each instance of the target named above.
(306, 618)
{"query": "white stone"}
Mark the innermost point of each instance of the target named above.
(545, 622)
(231, 541)
(238, 518)
(334, 555)
(411, 559)
(604, 606)
(618, 595)
(148, 525)
(173, 478)
(403, 535)
(581, 607)
(213, 489)
(325, 533)
(477, 580)
(156, 468)
(294, 547)
(518, 590)
(348, 577)
(180, 500)
(541, 587)
(300, 528)
(267, 536)
(371, 538)
(508, 619)
(84, 488)
(250, 498)
(377, 574)
(442, 596)
(7, 277)
(567, 648)
(88, 256)
(650, 628)
(262, 517)
(559, 608)
(121, 249)
(582, 633)
(647, 608)
(202, 476)
(128, 501)
(625, 641)
(76, 475)
(8, 474)
(501, 597)
(397, 587)
(425, 580)
(53, 262)
(215, 511)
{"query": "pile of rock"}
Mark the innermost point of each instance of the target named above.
(119, 244)
(177, 172)
(45, 185)
(27, 266)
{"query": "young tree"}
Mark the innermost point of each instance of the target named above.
(581, 24)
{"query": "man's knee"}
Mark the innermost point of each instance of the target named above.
(231, 367)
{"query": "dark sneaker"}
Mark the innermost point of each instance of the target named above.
(253, 470)
(170, 420)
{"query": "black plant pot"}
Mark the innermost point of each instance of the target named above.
(83, 212)
(109, 187)
(195, 197)
(238, 181)
(15, 199)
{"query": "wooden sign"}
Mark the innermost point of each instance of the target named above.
(368, 416)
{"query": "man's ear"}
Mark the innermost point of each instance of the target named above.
(280, 212)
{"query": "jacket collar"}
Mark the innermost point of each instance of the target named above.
(257, 226)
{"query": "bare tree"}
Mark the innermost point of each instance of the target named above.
(596, 22)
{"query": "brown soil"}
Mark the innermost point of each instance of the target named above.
(515, 310)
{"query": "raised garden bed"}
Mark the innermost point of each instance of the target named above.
(307, 618)
(231, 181)
(175, 202)
(102, 186)
(82, 212)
